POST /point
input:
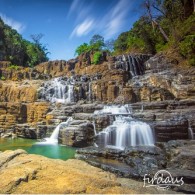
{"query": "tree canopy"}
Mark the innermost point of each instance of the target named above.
(166, 24)
(96, 43)
(18, 50)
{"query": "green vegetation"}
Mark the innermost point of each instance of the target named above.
(18, 51)
(96, 57)
(187, 48)
(167, 25)
(82, 49)
(95, 47)
(13, 66)
(96, 44)
(2, 78)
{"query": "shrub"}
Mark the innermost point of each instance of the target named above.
(82, 49)
(96, 57)
(13, 66)
(187, 48)
(2, 78)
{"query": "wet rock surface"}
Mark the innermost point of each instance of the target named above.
(133, 162)
(175, 156)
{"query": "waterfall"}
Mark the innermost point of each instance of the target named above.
(115, 110)
(57, 90)
(142, 108)
(89, 92)
(124, 131)
(70, 97)
(190, 131)
(53, 139)
(132, 63)
(94, 127)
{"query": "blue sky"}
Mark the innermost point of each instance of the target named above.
(68, 23)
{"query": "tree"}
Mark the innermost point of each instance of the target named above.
(109, 45)
(19, 51)
(2, 45)
(97, 42)
(82, 49)
(97, 39)
(153, 21)
(121, 43)
(194, 5)
(36, 38)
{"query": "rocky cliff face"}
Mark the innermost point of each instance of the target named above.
(159, 91)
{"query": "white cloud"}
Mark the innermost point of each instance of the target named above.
(83, 28)
(107, 25)
(115, 19)
(13, 23)
(80, 9)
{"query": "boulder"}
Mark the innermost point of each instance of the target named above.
(78, 134)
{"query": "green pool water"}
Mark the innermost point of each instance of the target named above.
(32, 147)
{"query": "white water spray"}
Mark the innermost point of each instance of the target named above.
(58, 90)
(125, 131)
(53, 139)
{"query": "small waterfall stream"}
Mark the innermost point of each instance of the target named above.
(115, 110)
(90, 92)
(190, 131)
(124, 131)
(53, 139)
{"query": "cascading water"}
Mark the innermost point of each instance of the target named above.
(94, 127)
(115, 110)
(190, 131)
(89, 92)
(132, 63)
(58, 90)
(124, 131)
(53, 139)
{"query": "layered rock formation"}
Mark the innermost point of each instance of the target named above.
(131, 79)
(22, 118)
(79, 133)
(33, 101)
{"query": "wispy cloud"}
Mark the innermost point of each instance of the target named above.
(80, 8)
(83, 28)
(115, 19)
(13, 23)
(107, 25)
(84, 21)
(75, 5)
